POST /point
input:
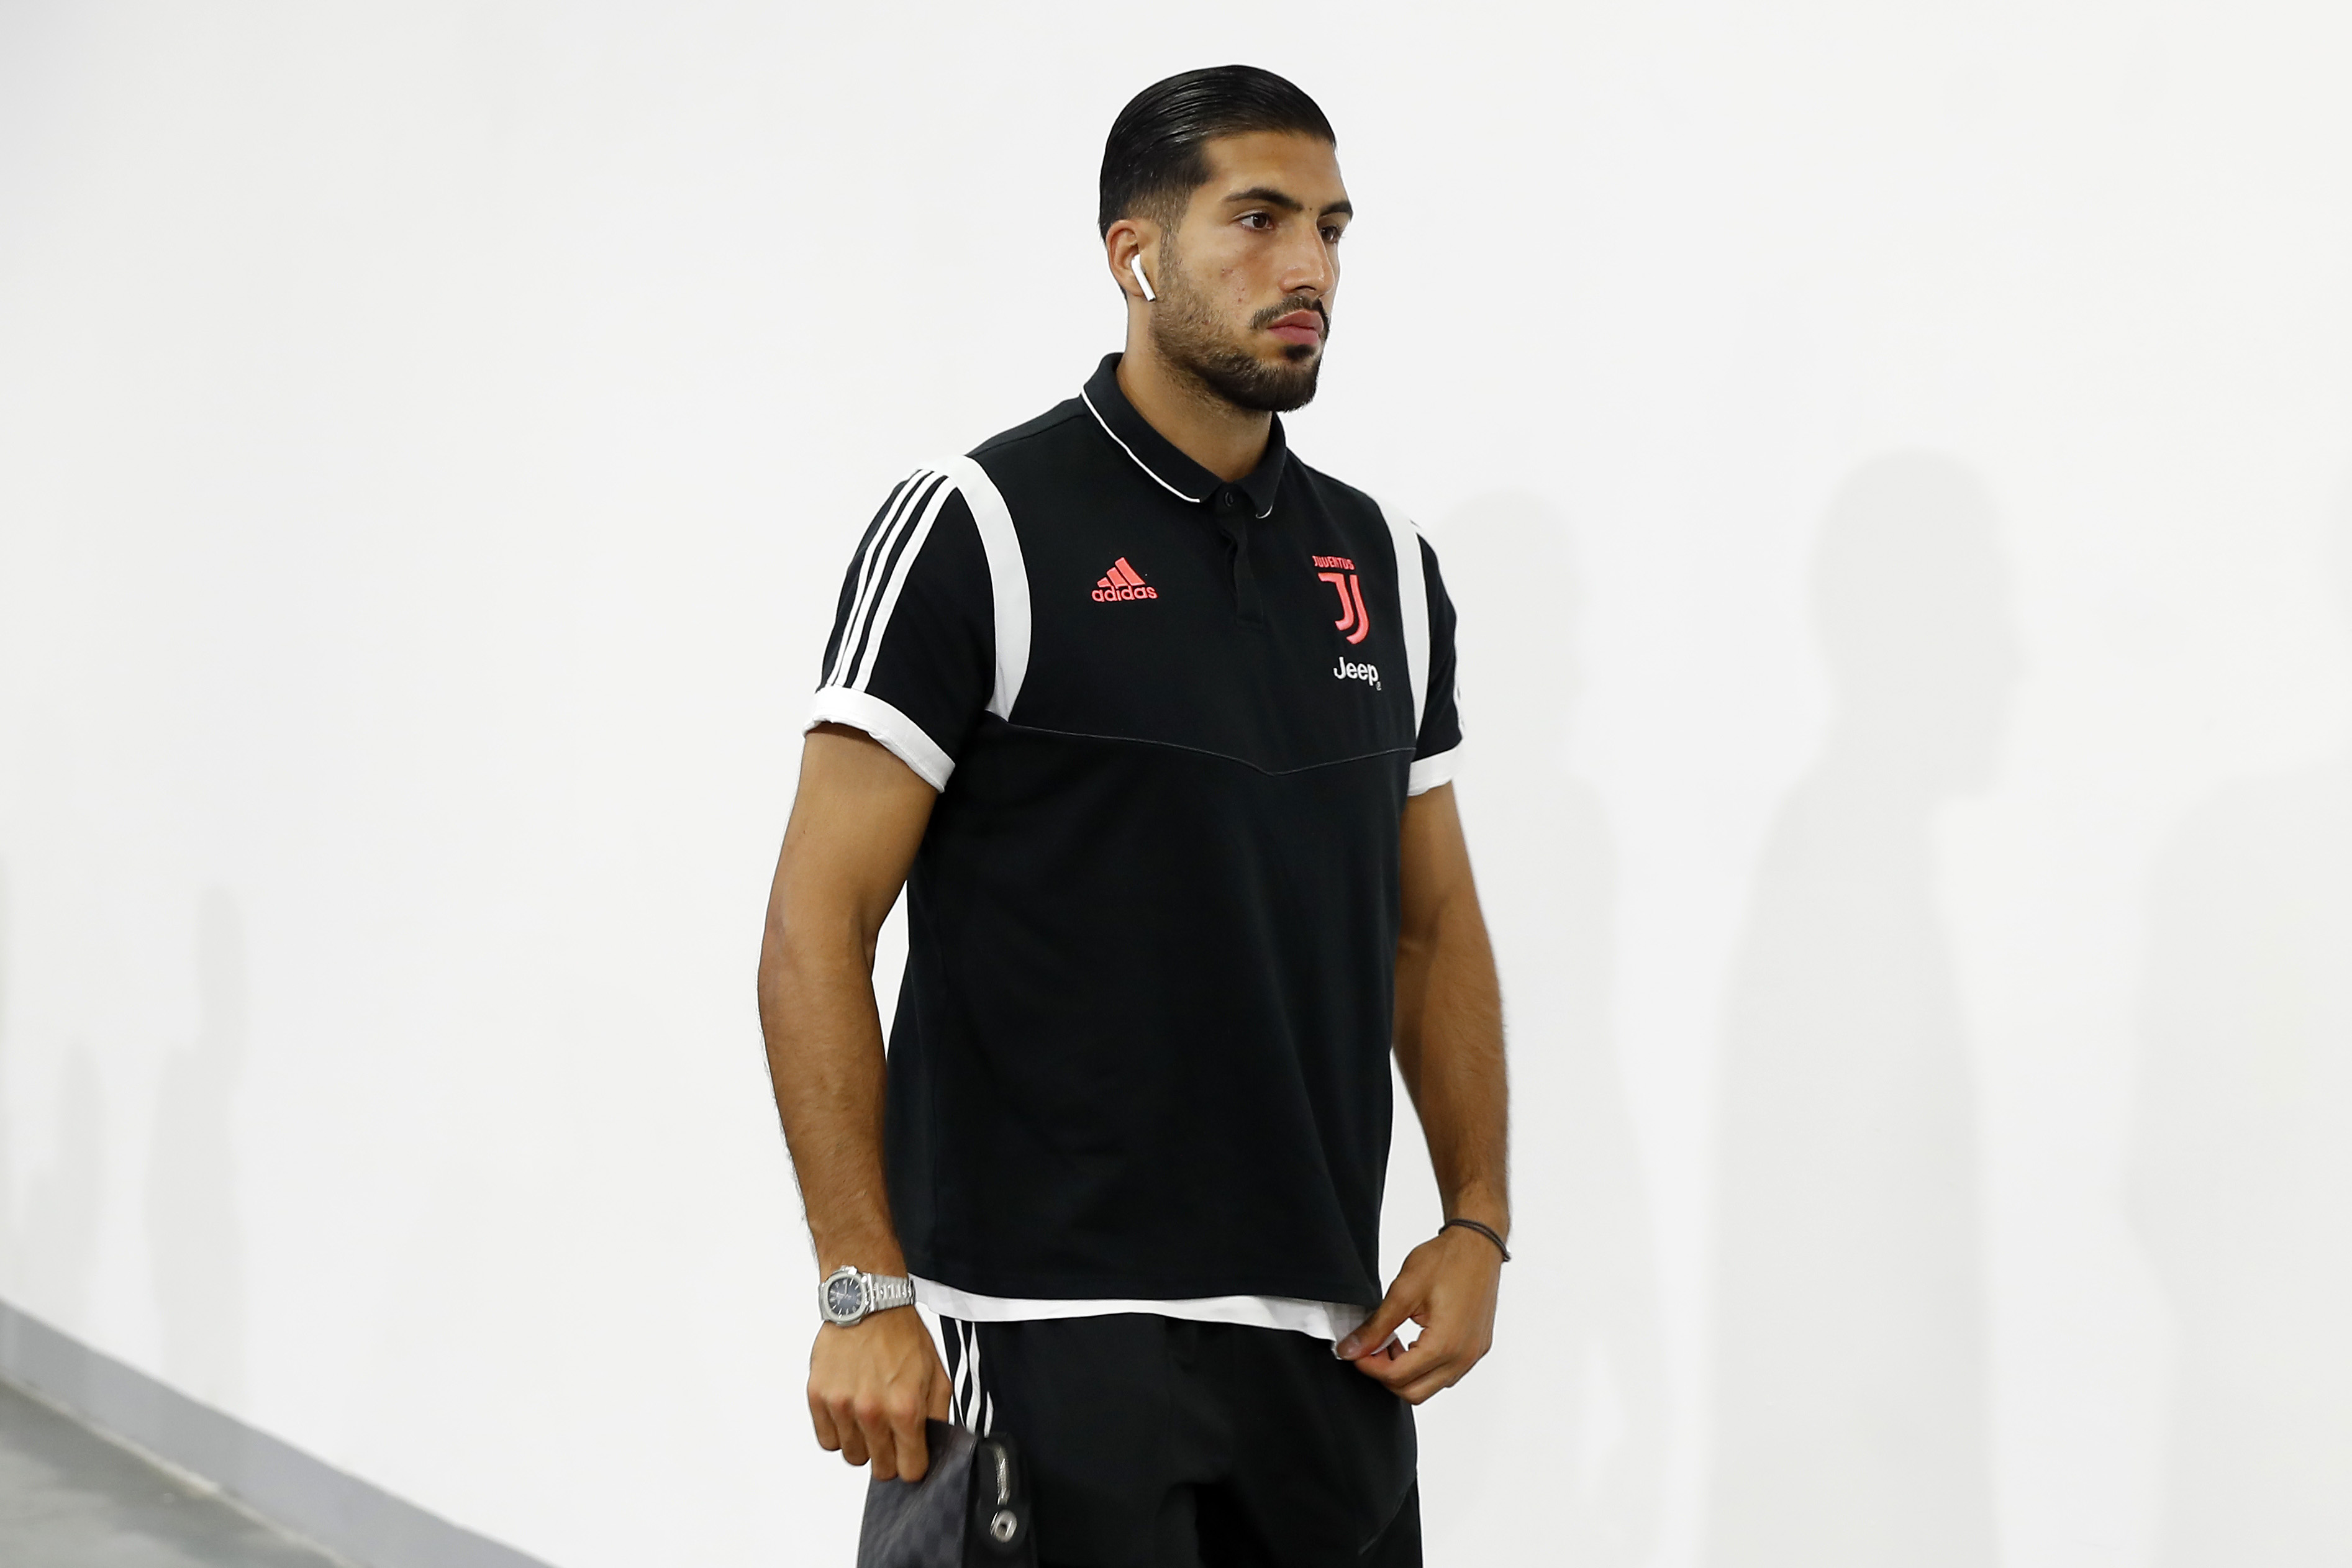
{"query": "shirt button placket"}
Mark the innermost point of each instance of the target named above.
(1233, 509)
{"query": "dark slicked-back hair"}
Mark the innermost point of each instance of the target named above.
(1156, 156)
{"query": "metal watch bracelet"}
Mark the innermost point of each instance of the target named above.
(849, 1295)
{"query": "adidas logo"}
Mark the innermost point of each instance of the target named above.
(1122, 581)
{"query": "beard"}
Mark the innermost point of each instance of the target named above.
(1193, 341)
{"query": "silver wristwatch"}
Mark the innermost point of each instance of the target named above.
(848, 1294)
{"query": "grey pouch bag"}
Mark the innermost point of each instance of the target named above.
(970, 1509)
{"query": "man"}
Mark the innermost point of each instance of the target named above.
(1162, 721)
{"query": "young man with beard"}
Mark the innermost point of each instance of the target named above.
(1155, 725)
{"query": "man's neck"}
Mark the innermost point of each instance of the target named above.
(1225, 440)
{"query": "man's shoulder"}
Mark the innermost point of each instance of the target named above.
(1335, 495)
(1049, 429)
(1359, 509)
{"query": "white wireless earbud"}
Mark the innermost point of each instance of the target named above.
(1135, 266)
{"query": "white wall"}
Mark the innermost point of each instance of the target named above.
(429, 439)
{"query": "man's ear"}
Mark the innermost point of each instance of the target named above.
(1127, 243)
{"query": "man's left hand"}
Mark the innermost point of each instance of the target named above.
(1448, 1285)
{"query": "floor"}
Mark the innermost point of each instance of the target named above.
(69, 1498)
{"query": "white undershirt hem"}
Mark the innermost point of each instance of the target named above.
(1330, 1320)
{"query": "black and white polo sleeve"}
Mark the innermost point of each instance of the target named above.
(1428, 655)
(932, 627)
(1439, 746)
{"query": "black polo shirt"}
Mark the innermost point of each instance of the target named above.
(1141, 1048)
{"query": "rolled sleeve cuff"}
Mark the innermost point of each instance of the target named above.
(1428, 772)
(899, 734)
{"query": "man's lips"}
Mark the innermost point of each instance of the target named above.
(1298, 327)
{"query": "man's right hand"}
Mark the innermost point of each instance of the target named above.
(870, 1387)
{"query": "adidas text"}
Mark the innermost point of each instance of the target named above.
(1122, 581)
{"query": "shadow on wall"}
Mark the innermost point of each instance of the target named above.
(1851, 1387)
(2241, 1180)
(48, 1263)
(1578, 1331)
(62, 1202)
(195, 1241)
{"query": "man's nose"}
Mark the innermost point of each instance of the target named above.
(1309, 268)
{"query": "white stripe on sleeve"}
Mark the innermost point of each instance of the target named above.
(1412, 602)
(900, 736)
(875, 550)
(1008, 578)
(1428, 772)
(861, 669)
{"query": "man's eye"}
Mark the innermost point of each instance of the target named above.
(1331, 236)
(1257, 220)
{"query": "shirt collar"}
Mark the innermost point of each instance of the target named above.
(1158, 456)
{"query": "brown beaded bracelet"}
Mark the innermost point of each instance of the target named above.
(1486, 1231)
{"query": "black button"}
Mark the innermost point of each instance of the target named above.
(1229, 500)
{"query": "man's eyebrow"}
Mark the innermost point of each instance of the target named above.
(1288, 204)
(1270, 196)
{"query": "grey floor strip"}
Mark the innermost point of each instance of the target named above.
(72, 1498)
(340, 1512)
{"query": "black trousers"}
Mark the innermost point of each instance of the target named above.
(1156, 1442)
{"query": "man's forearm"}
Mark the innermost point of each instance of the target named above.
(857, 820)
(1450, 1053)
(1449, 1049)
(824, 1055)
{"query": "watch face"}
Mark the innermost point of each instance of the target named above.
(843, 1297)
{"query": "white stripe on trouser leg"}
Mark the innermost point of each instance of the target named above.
(973, 1396)
(984, 1407)
(960, 1400)
(962, 1374)
(978, 1397)
(951, 1340)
